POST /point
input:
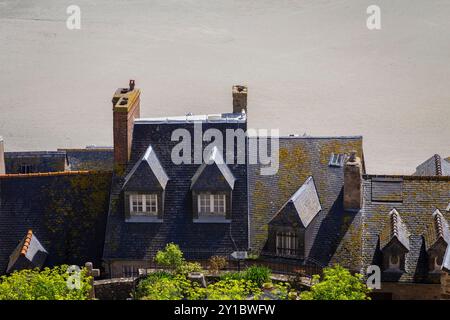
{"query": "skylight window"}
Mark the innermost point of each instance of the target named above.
(337, 160)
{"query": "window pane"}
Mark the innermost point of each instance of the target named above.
(219, 203)
(204, 203)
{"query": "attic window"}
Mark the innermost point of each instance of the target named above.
(144, 204)
(211, 204)
(337, 160)
(287, 244)
(26, 168)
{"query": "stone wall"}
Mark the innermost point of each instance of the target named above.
(445, 286)
(114, 289)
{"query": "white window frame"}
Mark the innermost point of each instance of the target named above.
(214, 198)
(148, 203)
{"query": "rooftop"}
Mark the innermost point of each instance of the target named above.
(214, 118)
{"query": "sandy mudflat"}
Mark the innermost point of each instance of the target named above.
(312, 66)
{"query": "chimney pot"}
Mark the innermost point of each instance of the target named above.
(353, 183)
(131, 85)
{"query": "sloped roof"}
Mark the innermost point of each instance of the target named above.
(197, 240)
(67, 210)
(149, 158)
(214, 157)
(28, 254)
(90, 158)
(434, 166)
(306, 202)
(421, 196)
(299, 159)
(394, 229)
(41, 161)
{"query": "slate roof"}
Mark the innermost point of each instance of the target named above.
(29, 254)
(137, 241)
(90, 158)
(299, 159)
(394, 229)
(305, 201)
(419, 199)
(67, 210)
(214, 158)
(41, 161)
(151, 160)
(434, 166)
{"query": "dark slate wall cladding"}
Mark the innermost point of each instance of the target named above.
(197, 240)
(301, 157)
(421, 197)
(66, 212)
(86, 159)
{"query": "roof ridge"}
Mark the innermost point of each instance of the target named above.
(439, 224)
(437, 161)
(46, 174)
(26, 243)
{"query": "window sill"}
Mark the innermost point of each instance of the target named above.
(143, 219)
(212, 220)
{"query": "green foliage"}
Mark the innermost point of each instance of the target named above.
(171, 257)
(232, 290)
(337, 284)
(188, 267)
(217, 263)
(48, 284)
(258, 274)
(166, 288)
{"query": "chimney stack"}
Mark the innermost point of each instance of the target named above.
(239, 98)
(126, 107)
(2, 157)
(352, 183)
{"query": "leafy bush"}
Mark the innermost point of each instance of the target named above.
(48, 284)
(171, 257)
(232, 290)
(165, 288)
(258, 274)
(189, 267)
(337, 284)
(217, 263)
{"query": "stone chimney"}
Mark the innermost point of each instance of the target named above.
(352, 183)
(2, 157)
(239, 98)
(126, 107)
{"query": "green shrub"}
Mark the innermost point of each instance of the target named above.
(48, 284)
(146, 283)
(258, 274)
(189, 267)
(165, 288)
(337, 284)
(232, 289)
(171, 257)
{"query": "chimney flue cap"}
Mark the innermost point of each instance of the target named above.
(352, 157)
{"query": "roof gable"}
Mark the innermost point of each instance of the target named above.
(437, 231)
(146, 169)
(305, 202)
(394, 231)
(28, 254)
(213, 172)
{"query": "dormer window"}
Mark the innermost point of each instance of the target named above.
(144, 190)
(288, 227)
(144, 204)
(26, 168)
(394, 243)
(212, 188)
(337, 160)
(437, 239)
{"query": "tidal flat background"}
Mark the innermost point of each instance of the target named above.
(311, 66)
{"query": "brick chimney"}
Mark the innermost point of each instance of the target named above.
(239, 98)
(2, 157)
(126, 107)
(352, 183)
